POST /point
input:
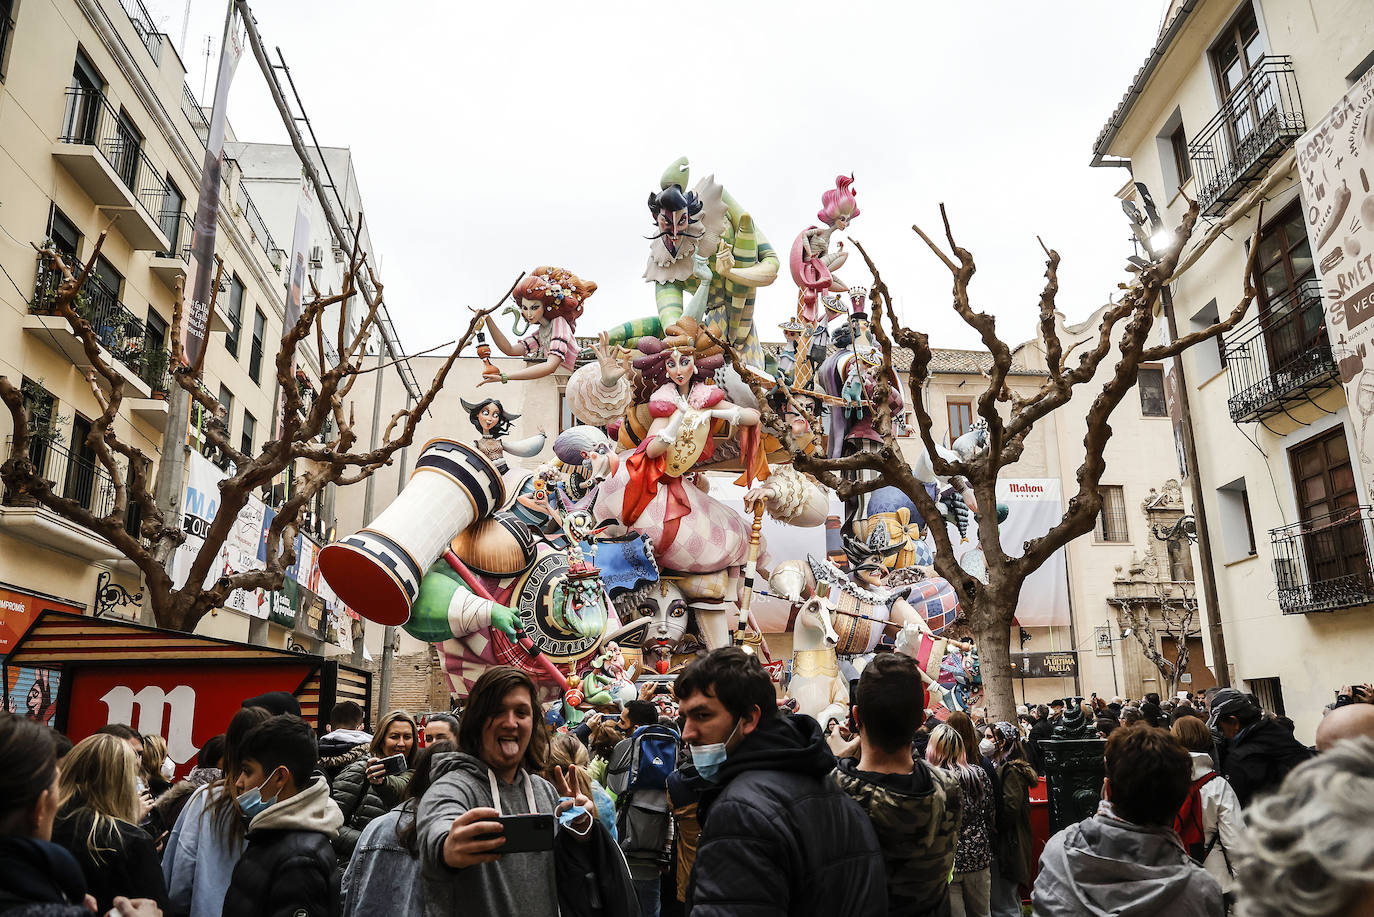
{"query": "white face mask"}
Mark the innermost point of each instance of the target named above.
(168, 769)
(987, 747)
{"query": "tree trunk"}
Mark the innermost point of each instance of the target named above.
(993, 638)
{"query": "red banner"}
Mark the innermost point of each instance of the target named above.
(186, 705)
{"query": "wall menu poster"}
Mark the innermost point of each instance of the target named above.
(1336, 164)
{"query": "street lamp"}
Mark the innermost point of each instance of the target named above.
(1185, 527)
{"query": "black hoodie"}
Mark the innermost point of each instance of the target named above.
(1259, 757)
(39, 879)
(779, 838)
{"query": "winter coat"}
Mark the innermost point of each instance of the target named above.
(916, 818)
(287, 869)
(1106, 867)
(383, 877)
(1221, 819)
(199, 859)
(517, 883)
(341, 748)
(779, 837)
(39, 879)
(593, 877)
(977, 829)
(1014, 859)
(167, 809)
(1259, 757)
(1043, 729)
(360, 800)
(120, 860)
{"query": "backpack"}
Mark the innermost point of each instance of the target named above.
(648, 759)
(639, 778)
(1188, 821)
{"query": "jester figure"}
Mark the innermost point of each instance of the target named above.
(704, 243)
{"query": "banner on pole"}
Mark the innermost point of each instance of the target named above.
(1336, 165)
(197, 326)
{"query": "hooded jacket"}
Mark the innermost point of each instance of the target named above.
(39, 879)
(1259, 757)
(1221, 819)
(778, 837)
(287, 869)
(916, 818)
(341, 748)
(1106, 867)
(517, 883)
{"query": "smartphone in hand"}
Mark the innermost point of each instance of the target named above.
(395, 765)
(524, 833)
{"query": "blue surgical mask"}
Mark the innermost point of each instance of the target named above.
(251, 802)
(707, 759)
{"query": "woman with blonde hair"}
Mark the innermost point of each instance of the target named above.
(97, 822)
(971, 886)
(571, 755)
(365, 790)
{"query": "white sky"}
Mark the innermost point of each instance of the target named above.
(491, 138)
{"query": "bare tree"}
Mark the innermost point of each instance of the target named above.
(1177, 604)
(1124, 335)
(326, 450)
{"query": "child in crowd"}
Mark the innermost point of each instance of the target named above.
(288, 866)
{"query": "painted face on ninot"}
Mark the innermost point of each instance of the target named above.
(489, 416)
(680, 367)
(532, 310)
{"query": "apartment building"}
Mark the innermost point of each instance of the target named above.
(99, 132)
(1214, 114)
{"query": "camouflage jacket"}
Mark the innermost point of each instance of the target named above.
(916, 817)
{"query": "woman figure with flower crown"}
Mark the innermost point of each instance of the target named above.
(550, 301)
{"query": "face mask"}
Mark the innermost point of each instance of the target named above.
(168, 769)
(987, 747)
(251, 802)
(707, 759)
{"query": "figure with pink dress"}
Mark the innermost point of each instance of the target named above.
(550, 301)
(813, 262)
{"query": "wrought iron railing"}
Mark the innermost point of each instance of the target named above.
(143, 25)
(261, 235)
(91, 120)
(117, 329)
(81, 479)
(1261, 118)
(1322, 564)
(192, 110)
(178, 227)
(1280, 357)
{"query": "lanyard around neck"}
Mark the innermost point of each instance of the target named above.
(496, 791)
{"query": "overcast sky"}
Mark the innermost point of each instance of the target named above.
(491, 138)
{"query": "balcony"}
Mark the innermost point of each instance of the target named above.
(1322, 564)
(176, 260)
(143, 25)
(258, 228)
(1261, 119)
(122, 336)
(1280, 359)
(80, 479)
(106, 158)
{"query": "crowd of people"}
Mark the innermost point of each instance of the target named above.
(709, 798)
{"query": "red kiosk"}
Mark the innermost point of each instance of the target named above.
(184, 687)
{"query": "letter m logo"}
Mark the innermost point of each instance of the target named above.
(152, 703)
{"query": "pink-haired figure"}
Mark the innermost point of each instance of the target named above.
(813, 263)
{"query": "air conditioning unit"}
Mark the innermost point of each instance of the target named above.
(316, 256)
(339, 257)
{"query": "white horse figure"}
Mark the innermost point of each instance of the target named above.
(817, 685)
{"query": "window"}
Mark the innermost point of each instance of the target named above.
(125, 150)
(84, 100)
(1293, 318)
(1237, 525)
(255, 351)
(1111, 523)
(1150, 381)
(1237, 50)
(1324, 482)
(960, 418)
(250, 426)
(6, 29)
(226, 401)
(43, 421)
(1183, 166)
(1269, 693)
(231, 339)
(1210, 358)
(64, 235)
(169, 218)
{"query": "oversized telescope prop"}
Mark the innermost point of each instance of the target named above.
(377, 570)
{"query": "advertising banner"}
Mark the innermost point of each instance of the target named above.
(17, 611)
(207, 207)
(1336, 164)
(1035, 506)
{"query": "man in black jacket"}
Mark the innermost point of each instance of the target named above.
(287, 869)
(1259, 752)
(1041, 729)
(777, 837)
